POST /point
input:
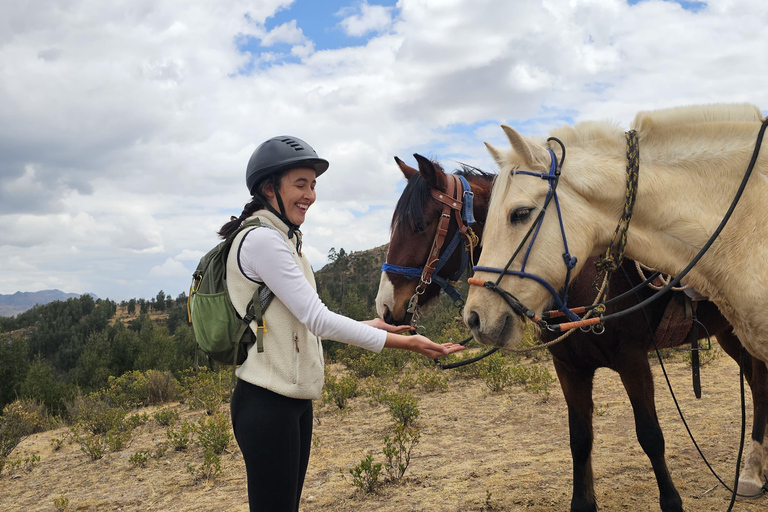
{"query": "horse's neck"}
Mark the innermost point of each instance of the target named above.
(481, 189)
(682, 198)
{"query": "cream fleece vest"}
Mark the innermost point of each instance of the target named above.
(292, 362)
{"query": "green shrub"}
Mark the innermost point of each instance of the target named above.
(209, 469)
(427, 380)
(136, 420)
(397, 450)
(496, 372)
(365, 476)
(180, 438)
(135, 388)
(166, 417)
(404, 407)
(161, 387)
(339, 391)
(208, 390)
(90, 444)
(139, 459)
(116, 439)
(27, 464)
(364, 363)
(95, 415)
(214, 433)
(21, 419)
(57, 443)
(706, 356)
(535, 378)
(61, 503)
(129, 390)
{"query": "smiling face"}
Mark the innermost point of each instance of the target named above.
(297, 190)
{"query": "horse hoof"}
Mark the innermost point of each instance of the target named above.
(748, 488)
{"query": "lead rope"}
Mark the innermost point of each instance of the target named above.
(614, 254)
(666, 279)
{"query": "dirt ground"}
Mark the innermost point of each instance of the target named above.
(506, 451)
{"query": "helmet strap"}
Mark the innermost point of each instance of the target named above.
(292, 228)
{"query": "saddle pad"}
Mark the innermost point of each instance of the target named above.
(674, 326)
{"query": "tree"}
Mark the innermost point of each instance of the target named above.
(42, 384)
(160, 301)
(92, 370)
(125, 348)
(157, 349)
(132, 307)
(354, 307)
(13, 366)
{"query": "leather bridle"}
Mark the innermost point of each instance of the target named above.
(457, 203)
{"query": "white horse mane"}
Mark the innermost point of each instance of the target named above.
(590, 133)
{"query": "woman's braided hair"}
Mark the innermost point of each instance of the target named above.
(258, 201)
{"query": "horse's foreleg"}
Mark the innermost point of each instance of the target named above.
(637, 379)
(578, 396)
(751, 478)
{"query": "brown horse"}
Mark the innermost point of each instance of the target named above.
(623, 347)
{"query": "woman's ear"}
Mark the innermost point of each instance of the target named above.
(269, 189)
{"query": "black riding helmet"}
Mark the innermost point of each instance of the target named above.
(281, 154)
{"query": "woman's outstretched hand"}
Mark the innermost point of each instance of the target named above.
(421, 345)
(416, 343)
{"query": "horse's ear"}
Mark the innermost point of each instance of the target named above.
(531, 153)
(406, 169)
(495, 153)
(432, 173)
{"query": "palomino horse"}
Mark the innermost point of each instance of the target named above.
(622, 348)
(691, 160)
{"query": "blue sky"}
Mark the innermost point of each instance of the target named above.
(131, 153)
(689, 5)
(319, 22)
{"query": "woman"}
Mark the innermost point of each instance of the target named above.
(272, 401)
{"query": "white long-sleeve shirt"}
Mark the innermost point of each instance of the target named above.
(265, 258)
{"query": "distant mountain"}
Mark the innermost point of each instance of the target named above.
(19, 302)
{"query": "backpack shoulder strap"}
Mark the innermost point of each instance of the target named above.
(262, 296)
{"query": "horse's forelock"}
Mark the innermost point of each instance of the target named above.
(409, 210)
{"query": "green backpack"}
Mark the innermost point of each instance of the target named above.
(220, 332)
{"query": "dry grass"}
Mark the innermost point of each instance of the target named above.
(478, 451)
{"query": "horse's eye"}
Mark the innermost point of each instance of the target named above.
(520, 215)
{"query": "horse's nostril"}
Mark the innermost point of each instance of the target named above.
(473, 321)
(388, 316)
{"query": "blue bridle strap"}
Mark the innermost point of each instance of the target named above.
(560, 302)
(468, 210)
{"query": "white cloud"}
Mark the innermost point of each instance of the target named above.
(287, 33)
(371, 18)
(171, 268)
(187, 255)
(130, 144)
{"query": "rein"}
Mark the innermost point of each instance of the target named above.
(524, 312)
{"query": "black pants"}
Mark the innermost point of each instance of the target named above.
(274, 433)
